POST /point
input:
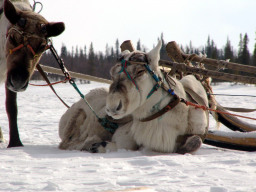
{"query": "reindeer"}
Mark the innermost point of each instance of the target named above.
(24, 37)
(161, 120)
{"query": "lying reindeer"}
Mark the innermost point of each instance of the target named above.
(161, 121)
(24, 37)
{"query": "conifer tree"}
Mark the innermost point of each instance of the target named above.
(240, 48)
(64, 51)
(138, 47)
(91, 60)
(208, 48)
(117, 48)
(245, 57)
(85, 52)
(228, 51)
(254, 55)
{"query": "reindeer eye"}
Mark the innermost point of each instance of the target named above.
(140, 73)
(43, 28)
(22, 22)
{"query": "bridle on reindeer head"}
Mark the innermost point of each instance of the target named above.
(141, 59)
(27, 38)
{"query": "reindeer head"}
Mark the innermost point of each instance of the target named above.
(131, 81)
(27, 39)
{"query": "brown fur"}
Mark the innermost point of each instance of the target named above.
(20, 26)
(28, 28)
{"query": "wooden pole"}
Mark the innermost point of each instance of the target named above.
(127, 45)
(177, 55)
(75, 75)
(181, 67)
(237, 141)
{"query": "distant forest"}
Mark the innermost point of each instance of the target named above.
(88, 61)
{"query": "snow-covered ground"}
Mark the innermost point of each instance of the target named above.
(41, 166)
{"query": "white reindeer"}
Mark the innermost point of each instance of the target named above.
(140, 90)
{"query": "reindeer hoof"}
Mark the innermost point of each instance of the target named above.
(98, 147)
(191, 145)
(15, 144)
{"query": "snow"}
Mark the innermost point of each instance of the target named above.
(41, 166)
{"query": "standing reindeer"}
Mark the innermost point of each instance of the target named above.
(23, 39)
(161, 120)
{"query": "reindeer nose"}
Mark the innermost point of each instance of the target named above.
(114, 109)
(17, 82)
(119, 107)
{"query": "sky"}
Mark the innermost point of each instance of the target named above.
(104, 21)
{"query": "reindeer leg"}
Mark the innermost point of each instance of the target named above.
(12, 112)
(191, 145)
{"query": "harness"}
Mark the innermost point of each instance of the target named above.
(159, 83)
(26, 36)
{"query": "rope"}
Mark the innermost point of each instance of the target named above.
(232, 95)
(105, 123)
(217, 111)
(48, 84)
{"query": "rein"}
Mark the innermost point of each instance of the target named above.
(105, 122)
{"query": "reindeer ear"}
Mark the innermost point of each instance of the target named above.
(55, 29)
(11, 12)
(154, 55)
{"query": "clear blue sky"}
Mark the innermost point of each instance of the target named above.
(103, 21)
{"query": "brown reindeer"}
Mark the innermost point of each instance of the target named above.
(24, 37)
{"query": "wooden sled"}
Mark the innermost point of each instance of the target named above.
(232, 140)
(234, 123)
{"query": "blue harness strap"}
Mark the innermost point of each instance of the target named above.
(108, 125)
(125, 63)
(156, 78)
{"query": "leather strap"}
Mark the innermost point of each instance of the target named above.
(41, 71)
(168, 107)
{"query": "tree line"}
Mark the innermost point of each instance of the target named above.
(96, 63)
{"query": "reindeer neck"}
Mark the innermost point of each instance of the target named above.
(157, 100)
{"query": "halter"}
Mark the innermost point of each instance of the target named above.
(124, 64)
(25, 43)
(159, 81)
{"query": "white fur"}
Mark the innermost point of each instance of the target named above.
(87, 129)
(159, 134)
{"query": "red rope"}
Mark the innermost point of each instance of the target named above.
(63, 81)
(32, 50)
(16, 49)
(218, 111)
